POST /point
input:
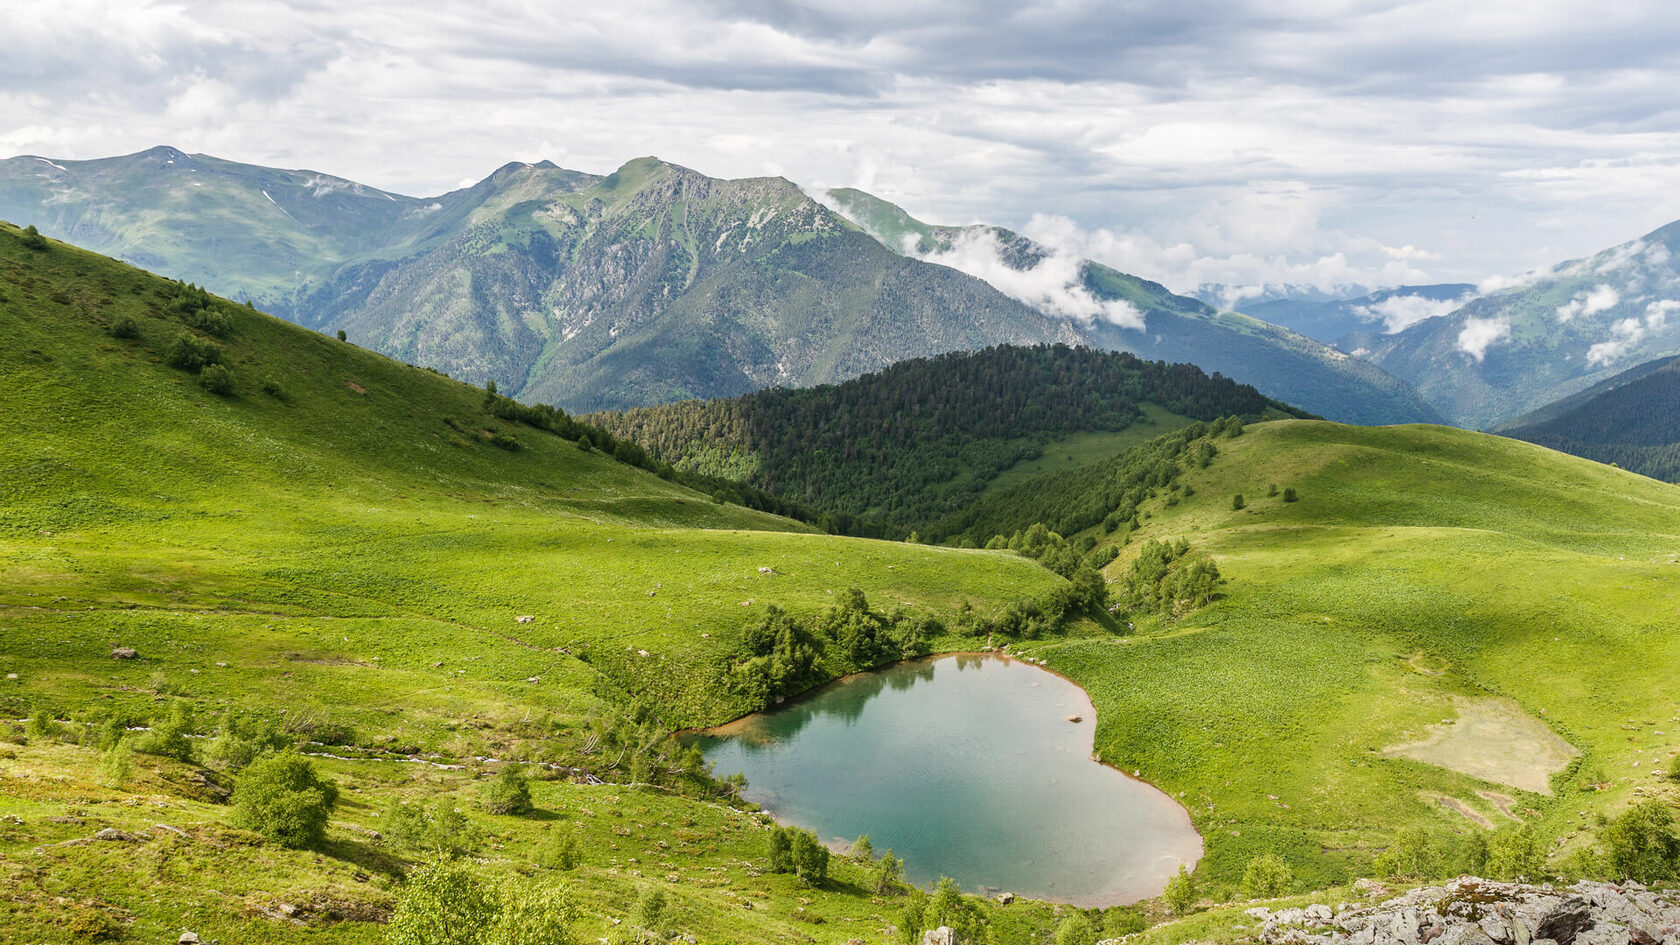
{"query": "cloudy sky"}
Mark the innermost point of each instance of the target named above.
(1313, 141)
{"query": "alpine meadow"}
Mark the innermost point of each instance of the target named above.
(1023, 474)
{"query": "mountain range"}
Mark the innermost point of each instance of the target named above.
(1341, 321)
(651, 284)
(1547, 335)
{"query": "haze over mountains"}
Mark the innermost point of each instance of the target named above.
(652, 284)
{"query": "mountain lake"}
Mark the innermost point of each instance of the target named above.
(966, 766)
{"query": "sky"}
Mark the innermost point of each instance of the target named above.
(1315, 142)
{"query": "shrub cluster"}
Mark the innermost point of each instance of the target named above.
(508, 792)
(1167, 579)
(281, 797)
(446, 904)
(799, 852)
(439, 829)
(784, 654)
(189, 352)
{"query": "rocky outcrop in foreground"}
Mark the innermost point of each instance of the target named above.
(1470, 911)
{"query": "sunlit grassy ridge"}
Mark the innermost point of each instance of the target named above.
(340, 541)
(1420, 565)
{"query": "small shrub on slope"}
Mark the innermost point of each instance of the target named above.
(191, 353)
(281, 797)
(1642, 844)
(508, 792)
(216, 379)
(1267, 877)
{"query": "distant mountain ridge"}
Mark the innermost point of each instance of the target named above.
(652, 284)
(1333, 321)
(1126, 313)
(1551, 334)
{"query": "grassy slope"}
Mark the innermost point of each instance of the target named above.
(1506, 568)
(352, 556)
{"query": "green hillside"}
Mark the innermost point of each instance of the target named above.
(1396, 649)
(1413, 636)
(357, 551)
(917, 442)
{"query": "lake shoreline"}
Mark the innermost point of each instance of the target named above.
(1172, 816)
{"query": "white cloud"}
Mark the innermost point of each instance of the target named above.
(1399, 312)
(1410, 252)
(1624, 335)
(1600, 298)
(1480, 334)
(1627, 333)
(1249, 142)
(1491, 284)
(1053, 285)
(1656, 313)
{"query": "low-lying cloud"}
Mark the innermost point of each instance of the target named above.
(1054, 285)
(1400, 312)
(1627, 333)
(1600, 298)
(1480, 334)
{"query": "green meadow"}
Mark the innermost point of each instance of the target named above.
(1418, 629)
(339, 543)
(1429, 586)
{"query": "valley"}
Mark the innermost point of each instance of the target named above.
(1347, 651)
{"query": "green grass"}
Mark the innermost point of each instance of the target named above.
(356, 551)
(1420, 564)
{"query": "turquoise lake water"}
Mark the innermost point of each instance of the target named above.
(965, 766)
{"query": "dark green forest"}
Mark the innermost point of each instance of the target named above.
(1635, 426)
(919, 442)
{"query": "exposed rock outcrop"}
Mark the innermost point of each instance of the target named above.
(1470, 911)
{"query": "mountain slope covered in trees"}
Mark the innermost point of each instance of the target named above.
(1632, 420)
(922, 439)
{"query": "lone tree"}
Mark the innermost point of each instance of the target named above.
(889, 872)
(281, 797)
(810, 858)
(1180, 894)
(799, 852)
(508, 792)
(1267, 877)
